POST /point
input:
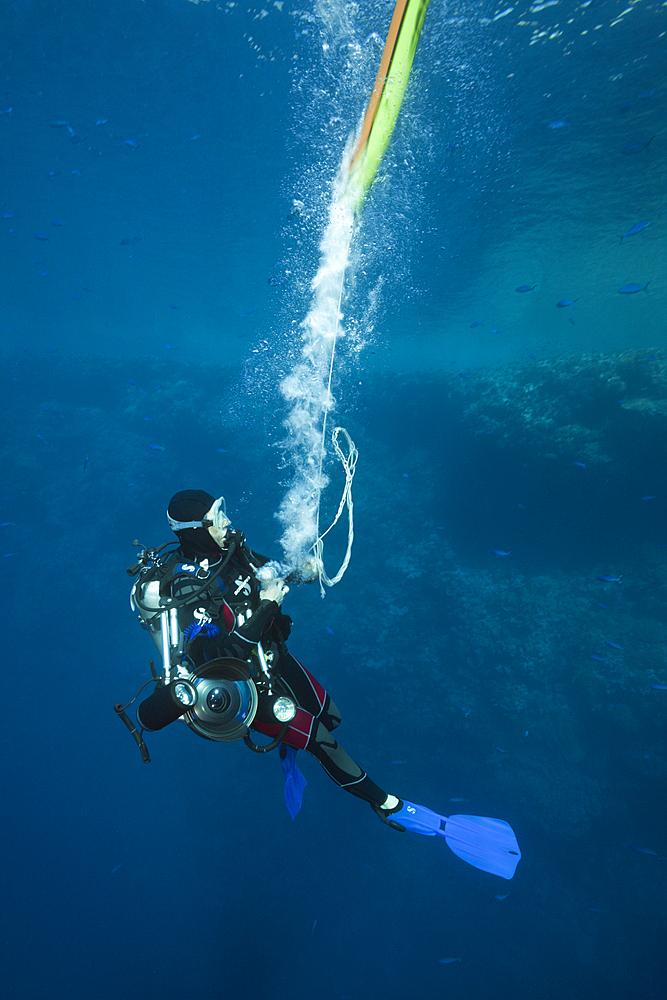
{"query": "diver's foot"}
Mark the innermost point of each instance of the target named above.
(390, 805)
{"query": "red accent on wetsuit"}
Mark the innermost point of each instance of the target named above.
(228, 614)
(303, 724)
(320, 693)
(298, 732)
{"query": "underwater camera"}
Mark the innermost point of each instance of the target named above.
(218, 701)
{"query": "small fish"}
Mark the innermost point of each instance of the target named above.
(600, 659)
(7, 215)
(564, 303)
(501, 895)
(463, 375)
(525, 288)
(172, 306)
(458, 800)
(58, 123)
(632, 288)
(579, 465)
(6, 524)
(649, 498)
(570, 319)
(314, 926)
(57, 223)
(605, 606)
(157, 447)
(448, 961)
(114, 870)
(614, 645)
(637, 228)
(101, 121)
(130, 143)
(502, 552)
(6, 111)
(475, 324)
(42, 438)
(85, 463)
(75, 172)
(192, 138)
(659, 687)
(329, 630)
(42, 236)
(609, 579)
(558, 124)
(44, 274)
(500, 750)
(522, 506)
(636, 147)
(645, 850)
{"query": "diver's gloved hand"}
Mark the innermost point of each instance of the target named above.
(274, 590)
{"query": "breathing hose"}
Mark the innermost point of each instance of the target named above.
(269, 746)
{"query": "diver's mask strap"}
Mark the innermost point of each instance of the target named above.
(182, 525)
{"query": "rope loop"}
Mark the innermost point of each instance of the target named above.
(349, 462)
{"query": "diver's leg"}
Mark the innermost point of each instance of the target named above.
(342, 769)
(307, 691)
(330, 716)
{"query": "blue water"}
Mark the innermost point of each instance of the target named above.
(147, 358)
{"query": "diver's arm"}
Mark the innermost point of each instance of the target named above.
(255, 627)
(252, 630)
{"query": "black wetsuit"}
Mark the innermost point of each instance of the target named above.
(234, 619)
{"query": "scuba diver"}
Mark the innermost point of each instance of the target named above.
(214, 609)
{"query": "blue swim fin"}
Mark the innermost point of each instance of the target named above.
(487, 844)
(294, 780)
